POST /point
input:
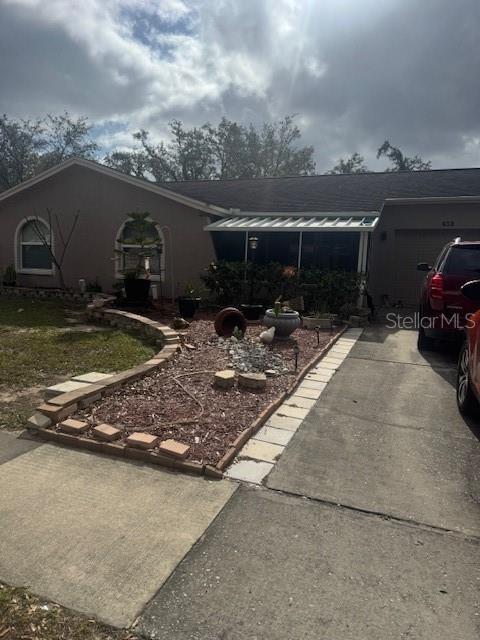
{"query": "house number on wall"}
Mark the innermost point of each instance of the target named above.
(448, 223)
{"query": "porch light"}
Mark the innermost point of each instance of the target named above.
(253, 242)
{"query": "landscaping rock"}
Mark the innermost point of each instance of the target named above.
(106, 432)
(141, 440)
(255, 381)
(174, 448)
(225, 379)
(74, 427)
(180, 323)
(38, 421)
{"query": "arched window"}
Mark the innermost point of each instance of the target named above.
(33, 241)
(130, 238)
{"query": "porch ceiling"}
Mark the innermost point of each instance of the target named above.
(352, 221)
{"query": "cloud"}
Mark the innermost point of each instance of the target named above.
(356, 71)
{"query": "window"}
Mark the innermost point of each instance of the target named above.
(33, 256)
(128, 242)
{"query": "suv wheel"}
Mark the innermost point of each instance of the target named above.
(466, 401)
(424, 343)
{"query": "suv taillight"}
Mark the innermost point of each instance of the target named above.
(436, 292)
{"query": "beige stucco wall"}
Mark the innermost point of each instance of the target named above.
(392, 264)
(103, 202)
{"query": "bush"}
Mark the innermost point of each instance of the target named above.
(229, 283)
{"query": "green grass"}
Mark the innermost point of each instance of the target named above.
(25, 616)
(38, 347)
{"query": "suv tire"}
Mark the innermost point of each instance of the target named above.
(424, 343)
(466, 400)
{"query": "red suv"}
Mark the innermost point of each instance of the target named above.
(443, 307)
(468, 375)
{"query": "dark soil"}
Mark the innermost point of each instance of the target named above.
(180, 401)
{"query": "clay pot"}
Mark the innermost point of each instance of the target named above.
(227, 320)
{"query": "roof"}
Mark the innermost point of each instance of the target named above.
(296, 222)
(331, 193)
(113, 173)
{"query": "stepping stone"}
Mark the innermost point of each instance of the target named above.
(174, 448)
(74, 427)
(311, 394)
(141, 440)
(292, 412)
(224, 379)
(253, 471)
(300, 401)
(64, 387)
(93, 376)
(261, 451)
(282, 422)
(255, 381)
(274, 435)
(107, 432)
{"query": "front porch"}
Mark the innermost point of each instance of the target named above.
(304, 241)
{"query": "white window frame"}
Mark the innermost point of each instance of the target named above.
(119, 245)
(18, 248)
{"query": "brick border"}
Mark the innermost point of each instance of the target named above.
(258, 423)
(64, 405)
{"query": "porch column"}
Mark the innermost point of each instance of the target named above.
(362, 264)
(299, 254)
(245, 257)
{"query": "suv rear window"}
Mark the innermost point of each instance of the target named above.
(463, 261)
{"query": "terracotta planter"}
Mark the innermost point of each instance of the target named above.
(284, 323)
(227, 320)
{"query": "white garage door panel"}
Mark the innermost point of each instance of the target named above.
(413, 246)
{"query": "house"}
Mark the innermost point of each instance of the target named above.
(380, 223)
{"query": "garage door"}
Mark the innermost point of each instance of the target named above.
(413, 246)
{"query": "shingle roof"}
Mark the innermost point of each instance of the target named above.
(335, 193)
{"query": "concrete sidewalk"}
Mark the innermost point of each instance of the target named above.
(96, 534)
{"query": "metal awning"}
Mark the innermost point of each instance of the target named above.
(355, 221)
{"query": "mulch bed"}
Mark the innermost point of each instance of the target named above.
(179, 401)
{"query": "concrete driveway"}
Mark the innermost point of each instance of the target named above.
(368, 527)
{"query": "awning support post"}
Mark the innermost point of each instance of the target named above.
(362, 265)
(299, 255)
(245, 259)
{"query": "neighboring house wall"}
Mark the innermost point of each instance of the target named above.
(103, 203)
(408, 234)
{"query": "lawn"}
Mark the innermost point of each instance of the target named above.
(44, 342)
(25, 616)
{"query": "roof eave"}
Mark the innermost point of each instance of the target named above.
(138, 182)
(433, 200)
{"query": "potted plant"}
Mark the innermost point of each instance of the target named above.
(284, 320)
(9, 276)
(322, 320)
(137, 277)
(188, 303)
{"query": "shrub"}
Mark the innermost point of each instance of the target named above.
(228, 283)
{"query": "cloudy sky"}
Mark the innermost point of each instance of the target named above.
(356, 71)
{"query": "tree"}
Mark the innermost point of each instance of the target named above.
(229, 150)
(63, 237)
(30, 146)
(354, 164)
(400, 161)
